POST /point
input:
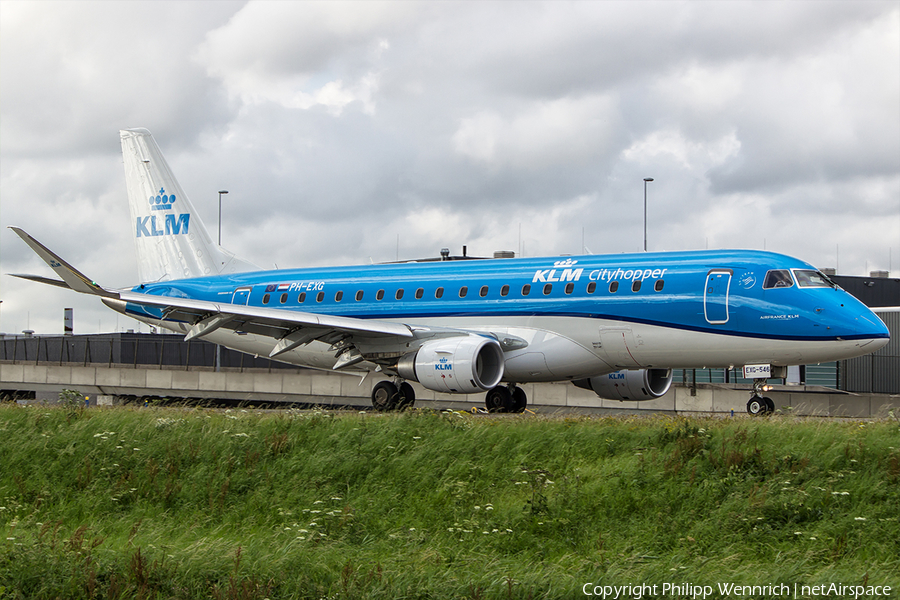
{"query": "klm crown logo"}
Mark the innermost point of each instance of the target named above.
(443, 364)
(168, 224)
(162, 201)
(565, 263)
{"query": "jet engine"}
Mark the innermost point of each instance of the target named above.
(637, 384)
(458, 365)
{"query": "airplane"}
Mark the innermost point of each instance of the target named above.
(614, 324)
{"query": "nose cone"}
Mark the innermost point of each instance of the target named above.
(875, 329)
(861, 324)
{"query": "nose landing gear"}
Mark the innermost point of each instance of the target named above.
(759, 405)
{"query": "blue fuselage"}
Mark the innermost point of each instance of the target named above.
(576, 316)
(705, 291)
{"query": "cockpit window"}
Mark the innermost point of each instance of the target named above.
(778, 278)
(810, 278)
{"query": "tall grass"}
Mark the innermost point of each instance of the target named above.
(168, 503)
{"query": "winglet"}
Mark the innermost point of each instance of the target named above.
(69, 274)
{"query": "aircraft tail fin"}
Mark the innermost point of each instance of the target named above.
(170, 238)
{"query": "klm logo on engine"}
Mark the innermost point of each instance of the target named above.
(167, 224)
(443, 365)
(567, 273)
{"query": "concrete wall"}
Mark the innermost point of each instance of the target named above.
(326, 388)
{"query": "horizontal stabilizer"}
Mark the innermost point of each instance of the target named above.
(69, 274)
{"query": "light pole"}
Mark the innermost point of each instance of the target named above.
(646, 181)
(219, 348)
(220, 214)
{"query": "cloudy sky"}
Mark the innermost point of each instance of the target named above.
(348, 132)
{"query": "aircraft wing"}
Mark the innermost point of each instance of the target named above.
(47, 280)
(287, 328)
(71, 277)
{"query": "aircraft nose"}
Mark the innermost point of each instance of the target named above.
(870, 326)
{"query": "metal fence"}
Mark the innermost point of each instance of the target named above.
(136, 349)
(879, 372)
(825, 375)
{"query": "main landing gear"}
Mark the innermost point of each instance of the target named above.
(758, 405)
(387, 395)
(506, 398)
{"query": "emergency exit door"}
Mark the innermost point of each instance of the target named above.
(241, 296)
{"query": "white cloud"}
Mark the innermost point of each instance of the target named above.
(339, 125)
(694, 156)
(304, 54)
(542, 134)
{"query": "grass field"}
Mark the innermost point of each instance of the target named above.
(169, 503)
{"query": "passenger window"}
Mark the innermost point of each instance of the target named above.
(463, 291)
(301, 298)
(778, 278)
(379, 295)
(504, 291)
(526, 289)
(484, 291)
(439, 293)
(548, 287)
(419, 293)
(338, 296)
(320, 296)
(636, 285)
(399, 294)
(570, 287)
(592, 287)
(284, 298)
(613, 287)
(658, 286)
(265, 298)
(359, 295)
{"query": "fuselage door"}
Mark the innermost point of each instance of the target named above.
(715, 296)
(241, 296)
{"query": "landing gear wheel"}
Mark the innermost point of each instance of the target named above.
(406, 396)
(498, 399)
(770, 405)
(520, 400)
(384, 396)
(756, 406)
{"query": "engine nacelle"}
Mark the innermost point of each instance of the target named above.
(637, 384)
(458, 365)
